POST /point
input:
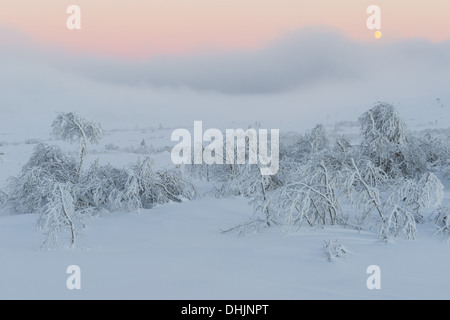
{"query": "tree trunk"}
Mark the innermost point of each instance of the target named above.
(72, 228)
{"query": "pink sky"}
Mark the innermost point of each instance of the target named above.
(142, 27)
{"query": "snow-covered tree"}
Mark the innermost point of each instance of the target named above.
(203, 171)
(240, 176)
(48, 186)
(72, 127)
(383, 136)
(247, 179)
(110, 188)
(361, 183)
(162, 186)
(388, 144)
(401, 209)
(61, 213)
(305, 191)
(311, 142)
(244, 180)
(132, 189)
(426, 153)
(392, 204)
(47, 163)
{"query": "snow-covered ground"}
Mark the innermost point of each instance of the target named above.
(177, 251)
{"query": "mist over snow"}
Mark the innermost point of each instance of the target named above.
(302, 78)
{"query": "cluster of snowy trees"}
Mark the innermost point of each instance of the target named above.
(54, 185)
(386, 180)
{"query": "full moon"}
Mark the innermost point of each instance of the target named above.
(378, 34)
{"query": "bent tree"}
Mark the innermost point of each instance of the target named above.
(71, 127)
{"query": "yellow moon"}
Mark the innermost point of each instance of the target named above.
(378, 34)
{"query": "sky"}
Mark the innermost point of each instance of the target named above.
(139, 28)
(287, 63)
